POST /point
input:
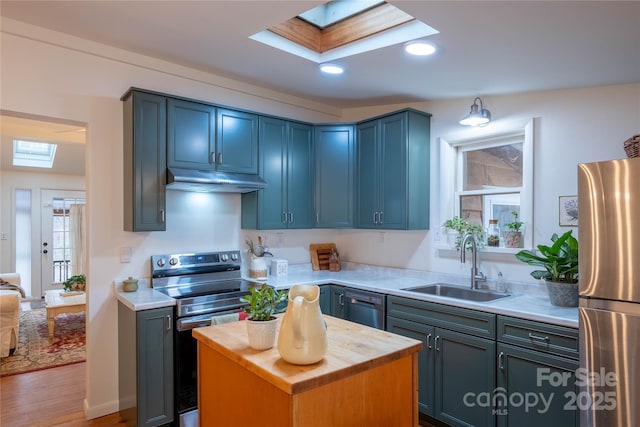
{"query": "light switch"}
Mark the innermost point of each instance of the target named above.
(4, 236)
(125, 254)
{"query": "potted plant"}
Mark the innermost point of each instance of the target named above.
(513, 236)
(560, 263)
(77, 282)
(263, 303)
(457, 227)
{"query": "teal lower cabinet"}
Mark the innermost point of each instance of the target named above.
(536, 366)
(464, 371)
(456, 366)
(325, 299)
(145, 366)
(337, 301)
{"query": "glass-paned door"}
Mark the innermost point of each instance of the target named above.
(57, 244)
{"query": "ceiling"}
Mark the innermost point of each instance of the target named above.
(69, 137)
(484, 48)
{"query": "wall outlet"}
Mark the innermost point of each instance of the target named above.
(4, 236)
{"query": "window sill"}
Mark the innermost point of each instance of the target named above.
(441, 246)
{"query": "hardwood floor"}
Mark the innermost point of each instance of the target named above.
(51, 397)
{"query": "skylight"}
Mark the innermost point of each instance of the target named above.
(342, 28)
(335, 11)
(33, 154)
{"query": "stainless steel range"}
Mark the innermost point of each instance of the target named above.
(204, 285)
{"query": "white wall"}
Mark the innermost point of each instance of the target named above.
(40, 75)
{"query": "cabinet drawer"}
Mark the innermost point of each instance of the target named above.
(458, 319)
(552, 339)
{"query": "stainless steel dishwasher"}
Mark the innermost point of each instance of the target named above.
(364, 307)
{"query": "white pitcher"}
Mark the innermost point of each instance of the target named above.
(303, 333)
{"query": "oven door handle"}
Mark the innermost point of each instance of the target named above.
(195, 322)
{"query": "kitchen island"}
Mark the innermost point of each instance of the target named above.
(367, 377)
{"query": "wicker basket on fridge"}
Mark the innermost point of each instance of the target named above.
(632, 146)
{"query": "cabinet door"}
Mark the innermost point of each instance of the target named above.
(237, 142)
(337, 301)
(545, 382)
(464, 370)
(367, 179)
(272, 201)
(300, 171)
(325, 299)
(191, 135)
(155, 366)
(334, 176)
(426, 334)
(145, 162)
(393, 172)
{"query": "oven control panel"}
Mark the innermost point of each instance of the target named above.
(210, 261)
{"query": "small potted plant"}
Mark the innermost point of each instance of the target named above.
(560, 263)
(457, 227)
(513, 236)
(263, 303)
(77, 282)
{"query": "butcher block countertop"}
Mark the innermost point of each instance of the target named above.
(368, 377)
(352, 348)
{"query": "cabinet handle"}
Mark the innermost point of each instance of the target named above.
(162, 216)
(290, 217)
(429, 341)
(538, 338)
(168, 319)
(212, 158)
(501, 359)
(219, 158)
(380, 217)
(375, 217)
(284, 217)
(436, 342)
(341, 299)
(317, 218)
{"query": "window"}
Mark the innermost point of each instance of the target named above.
(489, 178)
(33, 154)
(62, 243)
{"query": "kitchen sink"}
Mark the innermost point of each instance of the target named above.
(458, 292)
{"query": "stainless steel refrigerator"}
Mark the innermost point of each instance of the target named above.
(609, 248)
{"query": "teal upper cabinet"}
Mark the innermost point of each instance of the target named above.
(392, 178)
(145, 161)
(191, 135)
(286, 163)
(334, 175)
(237, 142)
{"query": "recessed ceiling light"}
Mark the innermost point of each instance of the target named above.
(331, 69)
(420, 48)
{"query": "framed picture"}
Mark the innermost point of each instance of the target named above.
(568, 211)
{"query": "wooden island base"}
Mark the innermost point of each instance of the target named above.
(367, 378)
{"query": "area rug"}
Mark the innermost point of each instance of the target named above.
(37, 351)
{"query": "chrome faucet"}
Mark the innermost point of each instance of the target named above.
(476, 277)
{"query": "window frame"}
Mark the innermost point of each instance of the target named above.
(452, 176)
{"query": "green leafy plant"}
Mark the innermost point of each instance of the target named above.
(560, 260)
(462, 226)
(263, 302)
(75, 283)
(516, 224)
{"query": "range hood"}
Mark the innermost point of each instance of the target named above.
(212, 181)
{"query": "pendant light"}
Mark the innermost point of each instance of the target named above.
(478, 116)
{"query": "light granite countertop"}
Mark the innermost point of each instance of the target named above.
(527, 301)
